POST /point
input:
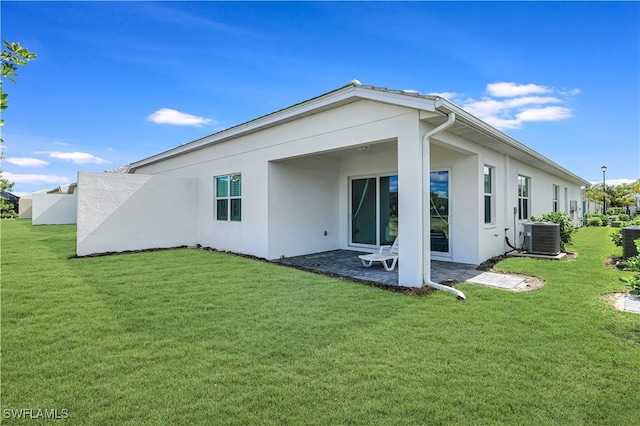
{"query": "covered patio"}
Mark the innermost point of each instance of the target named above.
(345, 263)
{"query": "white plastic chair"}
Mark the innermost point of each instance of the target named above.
(385, 254)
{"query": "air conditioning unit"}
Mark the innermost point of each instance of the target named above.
(629, 235)
(542, 238)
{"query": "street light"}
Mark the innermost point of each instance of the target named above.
(604, 193)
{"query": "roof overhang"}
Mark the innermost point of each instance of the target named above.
(433, 110)
(472, 128)
(343, 96)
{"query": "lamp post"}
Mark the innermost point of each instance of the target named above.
(604, 193)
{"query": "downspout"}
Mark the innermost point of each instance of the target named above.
(426, 222)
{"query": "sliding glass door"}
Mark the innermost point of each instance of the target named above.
(374, 210)
(439, 211)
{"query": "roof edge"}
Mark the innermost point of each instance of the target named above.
(354, 90)
(446, 106)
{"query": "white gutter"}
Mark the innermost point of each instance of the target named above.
(426, 207)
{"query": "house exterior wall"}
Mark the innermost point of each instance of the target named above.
(541, 196)
(119, 212)
(303, 215)
(266, 181)
(54, 209)
(473, 241)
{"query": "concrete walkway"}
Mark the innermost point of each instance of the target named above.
(626, 302)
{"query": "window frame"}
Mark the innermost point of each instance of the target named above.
(556, 198)
(490, 195)
(524, 200)
(231, 198)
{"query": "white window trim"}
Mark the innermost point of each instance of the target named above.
(492, 194)
(521, 217)
(228, 197)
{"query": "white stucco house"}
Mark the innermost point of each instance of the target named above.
(350, 169)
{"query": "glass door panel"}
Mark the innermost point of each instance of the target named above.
(363, 211)
(388, 209)
(439, 195)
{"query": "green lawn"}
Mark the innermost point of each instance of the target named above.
(196, 337)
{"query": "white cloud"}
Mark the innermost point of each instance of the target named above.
(509, 90)
(531, 100)
(26, 162)
(171, 116)
(613, 182)
(550, 113)
(484, 109)
(502, 123)
(34, 179)
(510, 105)
(616, 182)
(446, 95)
(75, 157)
(571, 92)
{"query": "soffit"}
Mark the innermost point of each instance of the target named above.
(499, 142)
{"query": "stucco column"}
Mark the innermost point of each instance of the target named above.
(410, 226)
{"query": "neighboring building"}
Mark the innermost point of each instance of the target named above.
(350, 169)
(51, 207)
(12, 199)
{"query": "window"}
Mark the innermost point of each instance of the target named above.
(229, 197)
(488, 195)
(523, 197)
(556, 198)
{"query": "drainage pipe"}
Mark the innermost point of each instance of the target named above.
(426, 223)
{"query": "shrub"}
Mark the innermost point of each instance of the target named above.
(595, 221)
(616, 236)
(604, 219)
(614, 211)
(624, 217)
(562, 219)
(632, 264)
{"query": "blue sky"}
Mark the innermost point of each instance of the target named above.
(115, 82)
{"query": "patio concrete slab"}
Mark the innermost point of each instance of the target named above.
(508, 282)
(626, 302)
(345, 263)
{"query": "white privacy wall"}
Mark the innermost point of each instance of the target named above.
(25, 209)
(54, 209)
(120, 212)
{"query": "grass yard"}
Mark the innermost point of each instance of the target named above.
(196, 337)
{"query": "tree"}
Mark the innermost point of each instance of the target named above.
(11, 57)
(592, 194)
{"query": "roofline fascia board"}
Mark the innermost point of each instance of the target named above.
(425, 103)
(447, 106)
